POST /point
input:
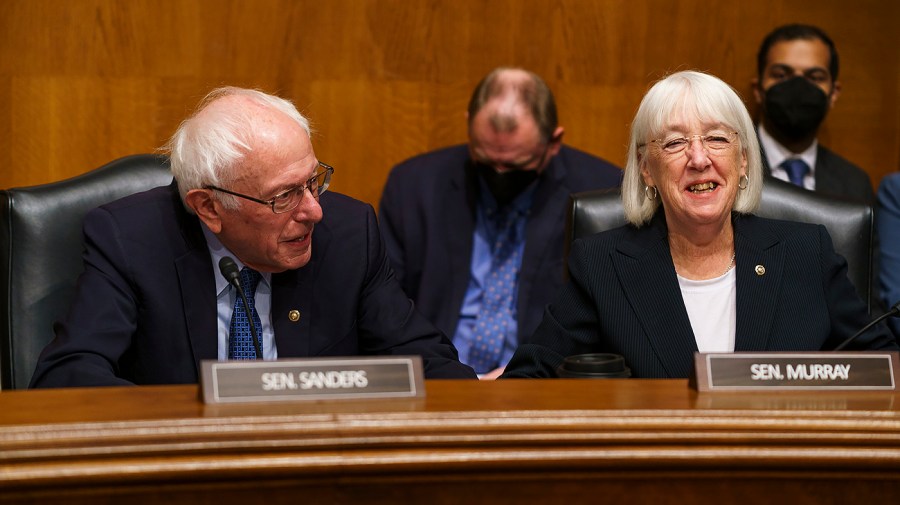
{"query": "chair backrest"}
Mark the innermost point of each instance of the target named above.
(40, 253)
(850, 223)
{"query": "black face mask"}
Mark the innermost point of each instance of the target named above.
(795, 108)
(506, 186)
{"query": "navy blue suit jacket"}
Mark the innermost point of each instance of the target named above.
(145, 306)
(427, 216)
(624, 298)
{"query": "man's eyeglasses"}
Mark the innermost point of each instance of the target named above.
(287, 201)
(712, 141)
(512, 167)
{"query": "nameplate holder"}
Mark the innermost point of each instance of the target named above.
(796, 371)
(333, 378)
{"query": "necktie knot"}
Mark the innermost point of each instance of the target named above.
(796, 170)
(250, 280)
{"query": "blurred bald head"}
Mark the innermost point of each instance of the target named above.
(505, 94)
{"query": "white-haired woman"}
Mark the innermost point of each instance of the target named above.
(694, 269)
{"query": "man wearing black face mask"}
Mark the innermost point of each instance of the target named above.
(475, 232)
(796, 86)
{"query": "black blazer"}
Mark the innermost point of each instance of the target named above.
(624, 298)
(427, 216)
(145, 306)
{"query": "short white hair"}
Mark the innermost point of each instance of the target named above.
(206, 147)
(690, 94)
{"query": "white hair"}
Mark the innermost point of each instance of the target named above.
(206, 147)
(689, 94)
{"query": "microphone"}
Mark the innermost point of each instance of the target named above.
(232, 274)
(895, 311)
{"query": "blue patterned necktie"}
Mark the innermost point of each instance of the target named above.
(496, 315)
(240, 343)
(796, 170)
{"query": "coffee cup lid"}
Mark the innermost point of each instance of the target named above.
(594, 365)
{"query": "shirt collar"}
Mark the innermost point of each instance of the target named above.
(777, 153)
(217, 251)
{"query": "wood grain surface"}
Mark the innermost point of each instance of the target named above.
(510, 441)
(83, 82)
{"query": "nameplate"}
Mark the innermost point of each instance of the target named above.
(834, 371)
(312, 379)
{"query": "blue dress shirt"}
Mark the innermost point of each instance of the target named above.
(226, 294)
(485, 234)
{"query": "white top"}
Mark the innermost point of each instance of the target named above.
(712, 308)
(777, 153)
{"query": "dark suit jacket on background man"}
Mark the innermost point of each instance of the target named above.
(795, 87)
(427, 216)
(836, 176)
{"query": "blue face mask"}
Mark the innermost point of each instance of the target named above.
(795, 108)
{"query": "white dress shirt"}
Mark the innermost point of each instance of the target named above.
(777, 153)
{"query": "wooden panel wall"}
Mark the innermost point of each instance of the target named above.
(85, 81)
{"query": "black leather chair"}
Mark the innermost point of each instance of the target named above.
(849, 223)
(40, 253)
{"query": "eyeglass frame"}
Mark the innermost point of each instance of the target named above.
(517, 167)
(690, 140)
(302, 189)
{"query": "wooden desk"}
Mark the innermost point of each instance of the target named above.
(513, 441)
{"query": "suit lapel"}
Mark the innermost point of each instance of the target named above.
(644, 265)
(292, 294)
(828, 180)
(759, 260)
(196, 279)
(198, 288)
(291, 297)
(457, 227)
(541, 230)
(765, 158)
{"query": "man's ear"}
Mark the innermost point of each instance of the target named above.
(555, 142)
(757, 92)
(206, 207)
(835, 93)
